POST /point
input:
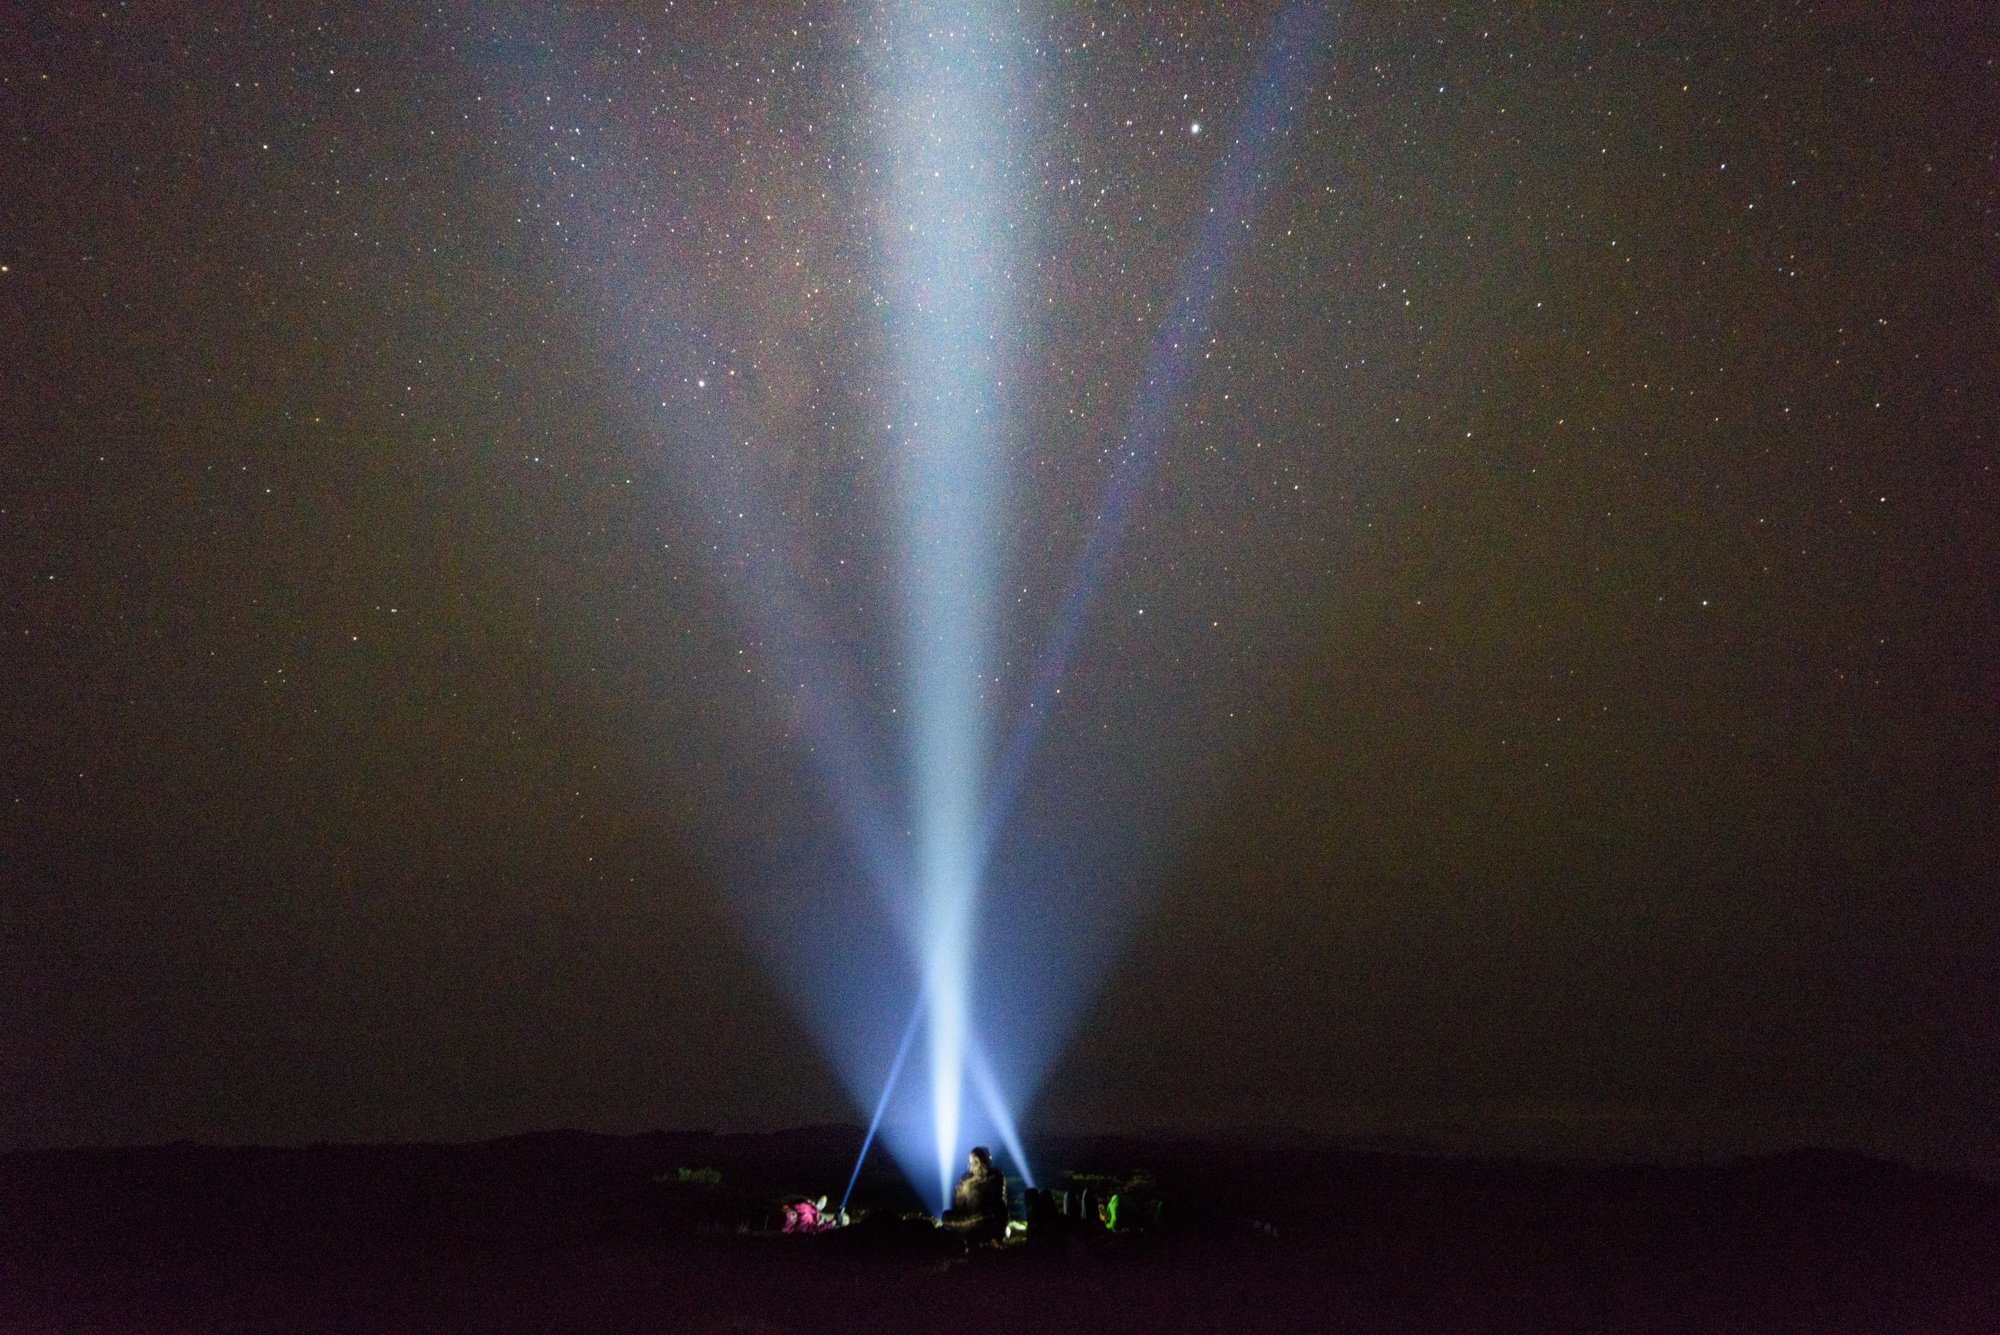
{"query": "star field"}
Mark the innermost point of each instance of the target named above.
(1543, 696)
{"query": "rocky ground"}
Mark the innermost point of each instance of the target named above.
(565, 1231)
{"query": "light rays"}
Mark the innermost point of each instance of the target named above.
(945, 152)
(946, 76)
(1292, 56)
(943, 205)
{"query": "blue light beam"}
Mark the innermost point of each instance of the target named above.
(995, 1100)
(945, 122)
(1292, 57)
(882, 1104)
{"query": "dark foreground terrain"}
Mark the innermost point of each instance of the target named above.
(594, 1233)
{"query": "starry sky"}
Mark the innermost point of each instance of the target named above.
(1544, 697)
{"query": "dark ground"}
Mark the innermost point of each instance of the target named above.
(566, 1231)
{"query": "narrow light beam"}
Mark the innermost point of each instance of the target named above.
(995, 1100)
(942, 238)
(888, 1088)
(1292, 55)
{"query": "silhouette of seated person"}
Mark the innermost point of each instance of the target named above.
(979, 1202)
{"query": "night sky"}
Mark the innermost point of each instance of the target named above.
(1544, 698)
